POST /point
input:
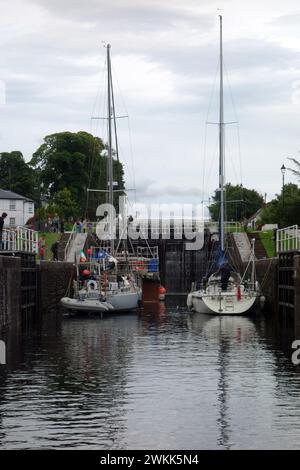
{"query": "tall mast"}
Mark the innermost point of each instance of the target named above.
(221, 145)
(109, 108)
(110, 159)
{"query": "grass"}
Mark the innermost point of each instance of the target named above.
(49, 239)
(267, 239)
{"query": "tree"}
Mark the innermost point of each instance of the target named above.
(16, 175)
(284, 211)
(64, 206)
(76, 161)
(296, 170)
(240, 203)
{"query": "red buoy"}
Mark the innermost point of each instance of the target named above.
(161, 293)
(86, 272)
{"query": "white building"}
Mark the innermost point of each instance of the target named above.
(18, 208)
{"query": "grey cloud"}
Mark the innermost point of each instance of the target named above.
(143, 16)
(52, 75)
(287, 20)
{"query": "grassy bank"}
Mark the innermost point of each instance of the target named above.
(267, 239)
(50, 238)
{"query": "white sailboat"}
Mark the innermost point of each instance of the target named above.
(108, 289)
(237, 295)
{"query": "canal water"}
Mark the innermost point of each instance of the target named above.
(168, 379)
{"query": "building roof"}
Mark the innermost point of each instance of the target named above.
(255, 215)
(4, 194)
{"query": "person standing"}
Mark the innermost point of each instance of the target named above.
(2, 219)
(42, 247)
(54, 249)
(78, 226)
(225, 275)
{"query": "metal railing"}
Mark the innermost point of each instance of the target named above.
(147, 252)
(70, 242)
(19, 239)
(229, 227)
(288, 239)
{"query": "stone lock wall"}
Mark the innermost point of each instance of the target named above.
(10, 292)
(53, 281)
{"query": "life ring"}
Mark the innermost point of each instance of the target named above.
(140, 265)
(92, 285)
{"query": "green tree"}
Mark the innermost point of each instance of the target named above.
(240, 203)
(16, 175)
(64, 205)
(284, 209)
(296, 170)
(76, 161)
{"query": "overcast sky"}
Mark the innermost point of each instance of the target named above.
(165, 60)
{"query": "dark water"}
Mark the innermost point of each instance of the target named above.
(169, 379)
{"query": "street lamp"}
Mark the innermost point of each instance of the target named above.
(283, 170)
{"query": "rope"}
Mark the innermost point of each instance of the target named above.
(69, 285)
(267, 272)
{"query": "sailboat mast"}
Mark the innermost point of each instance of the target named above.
(110, 159)
(221, 145)
(109, 107)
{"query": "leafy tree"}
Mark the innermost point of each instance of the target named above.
(64, 206)
(240, 203)
(76, 161)
(16, 175)
(296, 170)
(285, 208)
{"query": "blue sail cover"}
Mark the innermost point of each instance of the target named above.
(221, 257)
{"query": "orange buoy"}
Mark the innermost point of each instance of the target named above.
(162, 293)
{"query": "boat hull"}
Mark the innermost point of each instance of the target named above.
(221, 304)
(114, 303)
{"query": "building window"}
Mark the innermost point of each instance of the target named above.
(30, 209)
(12, 205)
(12, 221)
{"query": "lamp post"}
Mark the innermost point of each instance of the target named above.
(283, 170)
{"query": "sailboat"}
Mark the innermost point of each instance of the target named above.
(226, 292)
(105, 282)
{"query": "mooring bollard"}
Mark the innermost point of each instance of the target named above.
(2, 352)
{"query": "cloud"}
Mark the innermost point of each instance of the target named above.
(165, 58)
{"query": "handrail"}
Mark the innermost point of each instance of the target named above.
(70, 242)
(287, 239)
(9, 240)
(229, 227)
(19, 239)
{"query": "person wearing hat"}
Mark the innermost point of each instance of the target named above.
(2, 219)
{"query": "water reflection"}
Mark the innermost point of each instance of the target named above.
(163, 378)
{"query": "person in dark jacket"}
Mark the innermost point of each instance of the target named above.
(225, 275)
(54, 249)
(2, 219)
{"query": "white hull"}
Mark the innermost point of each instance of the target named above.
(223, 303)
(120, 302)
